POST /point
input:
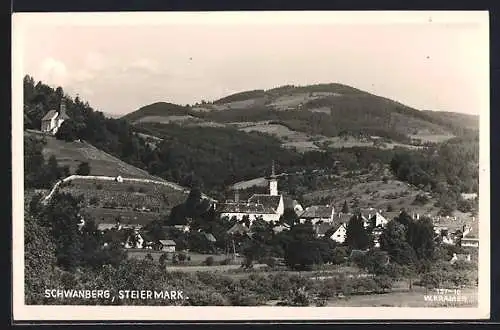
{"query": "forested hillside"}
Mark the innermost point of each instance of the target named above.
(216, 157)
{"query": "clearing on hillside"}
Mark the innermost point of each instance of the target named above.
(132, 202)
(101, 163)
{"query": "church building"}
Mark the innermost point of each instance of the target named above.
(53, 120)
(269, 207)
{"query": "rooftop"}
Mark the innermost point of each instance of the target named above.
(245, 207)
(268, 201)
(167, 242)
(317, 211)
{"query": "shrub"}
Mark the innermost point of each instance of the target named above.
(209, 261)
(99, 186)
(94, 201)
(420, 199)
(226, 261)
(163, 259)
(181, 257)
(83, 169)
(339, 255)
(130, 189)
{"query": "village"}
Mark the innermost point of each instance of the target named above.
(328, 221)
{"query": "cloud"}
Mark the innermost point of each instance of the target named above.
(54, 71)
(94, 61)
(145, 64)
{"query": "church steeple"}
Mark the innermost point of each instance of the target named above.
(273, 182)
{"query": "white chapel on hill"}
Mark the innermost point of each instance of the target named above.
(269, 207)
(53, 120)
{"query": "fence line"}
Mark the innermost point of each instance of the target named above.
(111, 178)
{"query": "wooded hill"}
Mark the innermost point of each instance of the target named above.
(325, 109)
(216, 157)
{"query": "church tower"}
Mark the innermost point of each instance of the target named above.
(273, 183)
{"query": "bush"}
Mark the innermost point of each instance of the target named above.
(130, 189)
(226, 261)
(67, 131)
(339, 255)
(163, 259)
(83, 169)
(420, 199)
(94, 201)
(181, 257)
(209, 261)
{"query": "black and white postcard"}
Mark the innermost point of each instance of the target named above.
(251, 166)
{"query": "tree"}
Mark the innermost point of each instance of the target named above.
(62, 217)
(345, 208)
(39, 260)
(83, 169)
(393, 240)
(163, 259)
(420, 236)
(339, 255)
(289, 217)
(303, 250)
(67, 131)
(356, 236)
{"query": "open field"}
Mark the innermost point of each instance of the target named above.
(104, 215)
(434, 138)
(194, 264)
(101, 163)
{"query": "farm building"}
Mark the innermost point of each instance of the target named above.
(53, 119)
(167, 245)
(267, 207)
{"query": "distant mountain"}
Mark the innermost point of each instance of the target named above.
(328, 110)
(455, 119)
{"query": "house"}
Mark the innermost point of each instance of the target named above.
(469, 242)
(469, 196)
(338, 233)
(183, 228)
(460, 257)
(134, 241)
(317, 213)
(53, 119)
(293, 205)
(106, 226)
(167, 245)
(322, 228)
(470, 237)
(378, 220)
(259, 206)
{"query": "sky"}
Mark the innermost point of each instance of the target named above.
(429, 61)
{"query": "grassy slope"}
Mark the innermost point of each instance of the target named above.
(103, 164)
